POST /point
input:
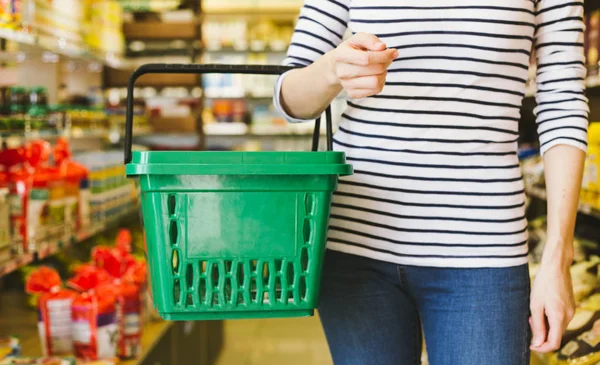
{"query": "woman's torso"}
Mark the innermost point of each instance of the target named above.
(437, 174)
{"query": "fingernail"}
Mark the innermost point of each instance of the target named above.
(536, 342)
(379, 44)
(395, 54)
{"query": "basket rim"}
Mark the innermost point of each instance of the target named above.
(238, 163)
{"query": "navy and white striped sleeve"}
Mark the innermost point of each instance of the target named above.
(562, 111)
(320, 29)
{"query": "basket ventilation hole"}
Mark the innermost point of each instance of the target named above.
(175, 261)
(240, 274)
(240, 299)
(303, 288)
(189, 276)
(202, 290)
(290, 274)
(177, 291)
(304, 259)
(253, 290)
(228, 290)
(278, 264)
(171, 203)
(307, 231)
(278, 288)
(190, 300)
(202, 267)
(228, 265)
(309, 202)
(266, 274)
(215, 299)
(215, 275)
(174, 232)
(253, 265)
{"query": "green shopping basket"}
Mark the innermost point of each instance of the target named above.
(234, 234)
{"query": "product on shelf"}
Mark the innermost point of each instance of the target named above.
(149, 5)
(110, 192)
(20, 175)
(47, 203)
(10, 346)
(592, 41)
(77, 205)
(93, 313)
(5, 237)
(39, 361)
(128, 281)
(259, 5)
(103, 26)
(584, 350)
(591, 178)
(54, 306)
(59, 18)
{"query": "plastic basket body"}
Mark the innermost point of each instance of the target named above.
(233, 234)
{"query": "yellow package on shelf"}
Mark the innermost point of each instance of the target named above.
(232, 6)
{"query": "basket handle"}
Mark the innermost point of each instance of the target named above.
(163, 68)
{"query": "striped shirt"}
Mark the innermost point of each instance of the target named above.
(437, 179)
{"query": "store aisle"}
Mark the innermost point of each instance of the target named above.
(275, 341)
(280, 341)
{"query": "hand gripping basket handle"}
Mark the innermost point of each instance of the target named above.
(162, 68)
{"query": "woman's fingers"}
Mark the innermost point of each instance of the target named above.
(348, 71)
(556, 321)
(361, 65)
(538, 327)
(375, 83)
(367, 42)
(353, 56)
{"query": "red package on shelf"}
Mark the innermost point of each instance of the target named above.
(19, 179)
(54, 311)
(77, 186)
(95, 329)
(125, 271)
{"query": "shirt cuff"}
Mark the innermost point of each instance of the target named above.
(277, 102)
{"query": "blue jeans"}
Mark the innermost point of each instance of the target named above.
(373, 312)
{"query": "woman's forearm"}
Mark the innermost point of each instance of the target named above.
(564, 170)
(306, 92)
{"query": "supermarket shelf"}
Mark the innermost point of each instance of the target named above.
(257, 47)
(19, 37)
(17, 319)
(586, 209)
(224, 8)
(47, 249)
(240, 130)
(63, 47)
(12, 265)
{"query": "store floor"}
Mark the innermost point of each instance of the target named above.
(278, 341)
(274, 342)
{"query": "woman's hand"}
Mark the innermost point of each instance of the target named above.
(359, 65)
(552, 303)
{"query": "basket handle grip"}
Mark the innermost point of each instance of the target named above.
(163, 68)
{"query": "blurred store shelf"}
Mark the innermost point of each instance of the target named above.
(17, 319)
(51, 247)
(64, 47)
(265, 8)
(540, 193)
(266, 131)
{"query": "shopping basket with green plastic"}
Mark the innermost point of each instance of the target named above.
(234, 234)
